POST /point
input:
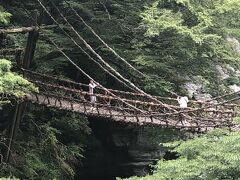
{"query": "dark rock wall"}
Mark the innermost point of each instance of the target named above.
(122, 150)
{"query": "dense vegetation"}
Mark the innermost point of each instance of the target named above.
(11, 84)
(212, 156)
(171, 41)
(4, 16)
(52, 143)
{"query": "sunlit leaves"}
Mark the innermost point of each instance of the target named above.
(158, 20)
(212, 156)
(186, 38)
(4, 16)
(12, 84)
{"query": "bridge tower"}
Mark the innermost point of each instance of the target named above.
(26, 62)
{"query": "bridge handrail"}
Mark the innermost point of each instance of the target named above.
(85, 101)
(98, 95)
(135, 102)
(174, 123)
(214, 120)
(9, 50)
(85, 85)
(153, 114)
(200, 103)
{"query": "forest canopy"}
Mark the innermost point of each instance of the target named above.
(4, 16)
(211, 156)
(11, 84)
(172, 42)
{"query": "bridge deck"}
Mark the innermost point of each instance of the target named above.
(128, 107)
(121, 115)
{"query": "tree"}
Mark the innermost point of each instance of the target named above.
(11, 84)
(4, 16)
(212, 156)
(178, 34)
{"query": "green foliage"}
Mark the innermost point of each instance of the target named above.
(49, 145)
(237, 120)
(159, 20)
(232, 80)
(12, 84)
(169, 40)
(184, 38)
(212, 156)
(4, 16)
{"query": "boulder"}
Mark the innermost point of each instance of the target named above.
(203, 97)
(234, 88)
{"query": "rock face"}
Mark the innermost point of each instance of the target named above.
(195, 88)
(192, 88)
(121, 150)
(196, 85)
(203, 97)
(222, 72)
(235, 42)
(234, 88)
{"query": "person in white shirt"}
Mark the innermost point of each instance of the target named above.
(182, 101)
(92, 85)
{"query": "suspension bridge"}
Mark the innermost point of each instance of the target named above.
(136, 107)
(69, 95)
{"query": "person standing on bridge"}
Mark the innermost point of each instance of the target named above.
(182, 101)
(92, 85)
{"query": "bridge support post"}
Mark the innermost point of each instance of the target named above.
(30, 48)
(20, 108)
(18, 55)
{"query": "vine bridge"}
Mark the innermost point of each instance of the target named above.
(69, 95)
(125, 107)
(136, 107)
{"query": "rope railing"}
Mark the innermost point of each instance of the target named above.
(128, 106)
(15, 29)
(75, 84)
(104, 99)
(170, 122)
(202, 117)
(122, 94)
(225, 95)
(70, 60)
(81, 95)
(112, 100)
(77, 90)
(10, 50)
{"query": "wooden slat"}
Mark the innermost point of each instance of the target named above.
(19, 30)
(24, 29)
(10, 51)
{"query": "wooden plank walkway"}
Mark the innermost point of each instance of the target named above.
(127, 116)
(128, 107)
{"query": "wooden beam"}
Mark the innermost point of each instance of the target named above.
(18, 55)
(10, 51)
(18, 30)
(19, 111)
(30, 48)
(25, 29)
